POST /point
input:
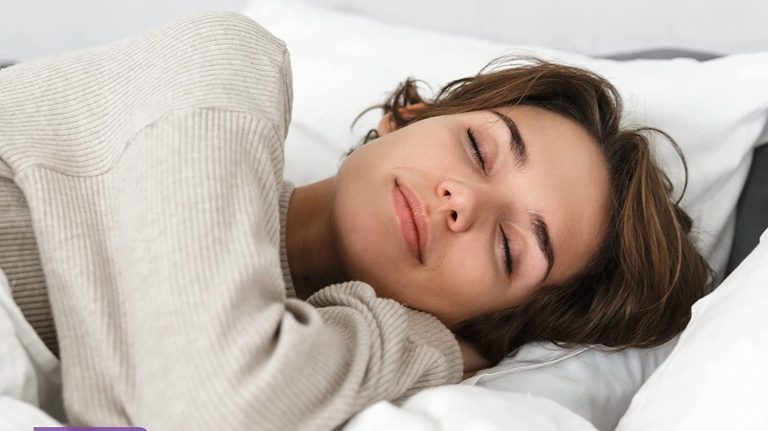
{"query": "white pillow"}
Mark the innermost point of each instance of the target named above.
(596, 384)
(716, 377)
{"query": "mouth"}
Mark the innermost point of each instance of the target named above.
(412, 218)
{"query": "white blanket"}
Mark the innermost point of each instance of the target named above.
(462, 407)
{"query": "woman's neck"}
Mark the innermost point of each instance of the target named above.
(312, 254)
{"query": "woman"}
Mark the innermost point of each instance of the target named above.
(177, 261)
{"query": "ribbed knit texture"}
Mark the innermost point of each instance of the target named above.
(20, 259)
(152, 170)
(285, 198)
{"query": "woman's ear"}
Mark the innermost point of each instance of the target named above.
(387, 123)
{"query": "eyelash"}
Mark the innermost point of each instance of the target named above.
(476, 148)
(507, 252)
(505, 241)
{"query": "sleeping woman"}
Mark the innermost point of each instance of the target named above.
(192, 288)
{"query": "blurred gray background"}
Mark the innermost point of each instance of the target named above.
(35, 28)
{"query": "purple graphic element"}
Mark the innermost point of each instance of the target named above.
(89, 429)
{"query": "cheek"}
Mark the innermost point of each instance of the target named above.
(366, 233)
(361, 228)
(467, 278)
(459, 285)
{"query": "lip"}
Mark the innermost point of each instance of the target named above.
(412, 217)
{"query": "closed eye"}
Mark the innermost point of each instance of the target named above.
(507, 252)
(476, 149)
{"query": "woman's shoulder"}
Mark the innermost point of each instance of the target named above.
(230, 61)
(219, 61)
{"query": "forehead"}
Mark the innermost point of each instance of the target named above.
(565, 179)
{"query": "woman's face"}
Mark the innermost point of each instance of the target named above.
(419, 217)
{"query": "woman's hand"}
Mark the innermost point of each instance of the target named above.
(473, 361)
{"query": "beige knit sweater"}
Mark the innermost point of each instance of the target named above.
(152, 169)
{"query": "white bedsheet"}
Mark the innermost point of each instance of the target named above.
(30, 376)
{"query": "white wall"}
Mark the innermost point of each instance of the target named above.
(34, 28)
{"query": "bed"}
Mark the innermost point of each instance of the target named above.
(714, 105)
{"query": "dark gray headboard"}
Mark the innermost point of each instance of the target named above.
(663, 54)
(659, 54)
(752, 210)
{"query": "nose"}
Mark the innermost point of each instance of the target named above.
(459, 202)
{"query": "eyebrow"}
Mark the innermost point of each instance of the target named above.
(538, 224)
(516, 143)
(540, 229)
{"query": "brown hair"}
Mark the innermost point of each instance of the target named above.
(639, 287)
